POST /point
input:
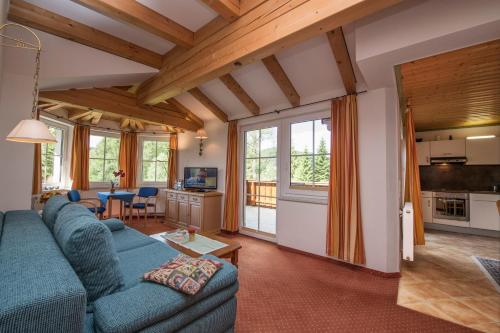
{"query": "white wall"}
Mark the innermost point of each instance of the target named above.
(214, 151)
(458, 133)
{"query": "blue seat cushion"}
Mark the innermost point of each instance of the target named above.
(88, 245)
(128, 238)
(114, 224)
(100, 210)
(52, 208)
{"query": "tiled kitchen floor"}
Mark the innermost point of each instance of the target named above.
(445, 282)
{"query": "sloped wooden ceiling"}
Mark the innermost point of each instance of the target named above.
(455, 89)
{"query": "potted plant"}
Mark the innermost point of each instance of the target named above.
(115, 182)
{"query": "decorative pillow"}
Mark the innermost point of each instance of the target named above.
(52, 208)
(184, 273)
(113, 224)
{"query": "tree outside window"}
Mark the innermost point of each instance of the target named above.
(104, 152)
(52, 159)
(310, 154)
(155, 161)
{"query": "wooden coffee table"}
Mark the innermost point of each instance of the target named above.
(229, 251)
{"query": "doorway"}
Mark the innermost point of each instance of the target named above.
(260, 180)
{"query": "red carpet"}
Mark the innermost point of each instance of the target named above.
(281, 291)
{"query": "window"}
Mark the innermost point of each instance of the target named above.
(104, 149)
(310, 154)
(52, 160)
(154, 161)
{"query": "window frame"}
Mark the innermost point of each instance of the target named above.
(60, 183)
(104, 183)
(65, 150)
(140, 160)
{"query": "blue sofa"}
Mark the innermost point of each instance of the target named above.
(66, 271)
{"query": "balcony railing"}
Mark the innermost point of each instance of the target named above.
(262, 194)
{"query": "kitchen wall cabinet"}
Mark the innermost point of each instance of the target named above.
(448, 148)
(201, 210)
(426, 200)
(484, 212)
(483, 151)
(424, 153)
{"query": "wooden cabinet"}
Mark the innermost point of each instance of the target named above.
(424, 153)
(448, 148)
(483, 151)
(426, 201)
(484, 212)
(201, 210)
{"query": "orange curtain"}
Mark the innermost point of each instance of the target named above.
(231, 204)
(172, 160)
(344, 231)
(128, 159)
(37, 170)
(79, 172)
(412, 179)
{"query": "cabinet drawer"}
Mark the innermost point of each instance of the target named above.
(195, 199)
(182, 197)
(171, 195)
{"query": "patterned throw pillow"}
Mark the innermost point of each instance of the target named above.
(184, 273)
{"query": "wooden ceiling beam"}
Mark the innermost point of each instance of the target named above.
(341, 53)
(135, 13)
(35, 17)
(207, 102)
(96, 118)
(278, 73)
(75, 114)
(240, 93)
(125, 123)
(228, 9)
(261, 32)
(174, 102)
(103, 100)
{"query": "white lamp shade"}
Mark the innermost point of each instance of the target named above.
(31, 131)
(201, 134)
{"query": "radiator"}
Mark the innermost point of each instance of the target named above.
(408, 244)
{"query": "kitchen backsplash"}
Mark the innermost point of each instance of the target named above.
(459, 177)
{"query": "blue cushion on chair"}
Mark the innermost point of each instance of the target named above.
(88, 245)
(52, 208)
(100, 210)
(145, 192)
(74, 196)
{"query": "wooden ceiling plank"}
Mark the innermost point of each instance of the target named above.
(77, 114)
(261, 32)
(278, 73)
(207, 102)
(240, 93)
(228, 9)
(107, 101)
(35, 17)
(135, 13)
(341, 53)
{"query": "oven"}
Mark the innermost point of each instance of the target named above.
(451, 206)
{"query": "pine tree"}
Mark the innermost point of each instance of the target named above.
(306, 168)
(322, 163)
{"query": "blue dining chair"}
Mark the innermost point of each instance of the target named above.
(90, 203)
(146, 198)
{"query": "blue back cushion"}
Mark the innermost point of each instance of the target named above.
(145, 192)
(74, 196)
(114, 224)
(52, 208)
(1, 225)
(88, 245)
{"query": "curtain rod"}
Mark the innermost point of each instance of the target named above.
(307, 104)
(105, 128)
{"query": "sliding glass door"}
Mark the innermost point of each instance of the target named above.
(260, 178)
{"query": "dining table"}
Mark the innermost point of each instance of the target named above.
(107, 199)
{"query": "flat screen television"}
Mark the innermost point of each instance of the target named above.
(200, 178)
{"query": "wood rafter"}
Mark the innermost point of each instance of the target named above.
(207, 102)
(75, 114)
(240, 93)
(133, 12)
(341, 54)
(175, 103)
(119, 102)
(259, 33)
(35, 17)
(228, 9)
(278, 73)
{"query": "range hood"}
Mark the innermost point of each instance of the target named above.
(449, 160)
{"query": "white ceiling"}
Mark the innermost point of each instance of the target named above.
(375, 46)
